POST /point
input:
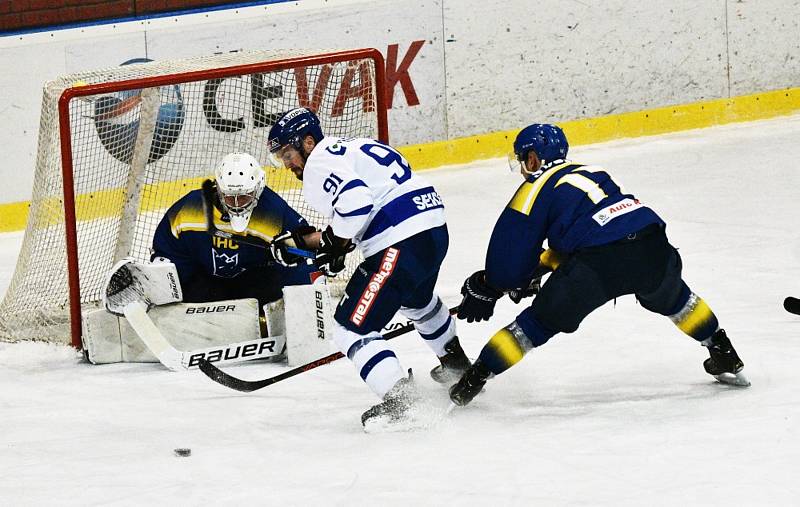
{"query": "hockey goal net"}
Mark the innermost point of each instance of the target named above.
(118, 146)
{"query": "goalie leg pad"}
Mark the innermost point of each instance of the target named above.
(308, 321)
(188, 327)
(136, 315)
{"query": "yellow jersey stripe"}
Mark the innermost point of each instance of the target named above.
(193, 219)
(518, 201)
(525, 197)
(188, 226)
(187, 218)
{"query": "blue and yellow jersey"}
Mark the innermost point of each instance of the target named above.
(181, 236)
(571, 206)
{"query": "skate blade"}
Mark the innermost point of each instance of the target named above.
(386, 424)
(447, 378)
(421, 417)
(733, 379)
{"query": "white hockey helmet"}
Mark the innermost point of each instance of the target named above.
(240, 181)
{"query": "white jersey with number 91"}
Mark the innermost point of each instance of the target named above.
(369, 193)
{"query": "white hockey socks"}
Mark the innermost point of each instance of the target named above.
(375, 362)
(434, 323)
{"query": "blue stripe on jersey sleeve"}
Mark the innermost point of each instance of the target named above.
(357, 212)
(350, 185)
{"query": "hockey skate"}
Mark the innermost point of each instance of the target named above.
(470, 385)
(454, 363)
(395, 408)
(724, 363)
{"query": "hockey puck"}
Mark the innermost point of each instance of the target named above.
(183, 452)
(792, 305)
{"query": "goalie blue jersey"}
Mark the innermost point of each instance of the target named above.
(182, 237)
(570, 205)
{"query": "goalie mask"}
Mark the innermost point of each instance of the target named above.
(240, 181)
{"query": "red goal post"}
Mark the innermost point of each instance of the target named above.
(133, 139)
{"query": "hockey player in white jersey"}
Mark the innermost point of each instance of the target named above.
(396, 218)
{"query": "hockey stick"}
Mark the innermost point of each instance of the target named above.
(247, 386)
(792, 305)
(136, 314)
(177, 360)
(211, 228)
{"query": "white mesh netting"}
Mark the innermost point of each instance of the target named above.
(137, 149)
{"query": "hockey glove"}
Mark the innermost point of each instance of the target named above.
(479, 298)
(332, 252)
(532, 289)
(280, 244)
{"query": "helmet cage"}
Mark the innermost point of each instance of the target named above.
(240, 181)
(237, 204)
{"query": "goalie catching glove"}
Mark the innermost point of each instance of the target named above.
(331, 251)
(129, 280)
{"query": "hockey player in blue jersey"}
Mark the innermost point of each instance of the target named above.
(216, 269)
(608, 244)
(396, 219)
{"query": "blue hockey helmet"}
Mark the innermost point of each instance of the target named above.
(548, 141)
(292, 127)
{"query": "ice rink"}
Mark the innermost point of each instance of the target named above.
(619, 413)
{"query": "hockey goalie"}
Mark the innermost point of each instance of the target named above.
(211, 289)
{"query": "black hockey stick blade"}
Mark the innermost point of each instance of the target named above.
(792, 305)
(246, 386)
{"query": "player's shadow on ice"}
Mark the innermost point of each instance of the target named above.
(561, 404)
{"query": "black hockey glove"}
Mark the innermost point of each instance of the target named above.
(281, 243)
(479, 298)
(332, 252)
(532, 289)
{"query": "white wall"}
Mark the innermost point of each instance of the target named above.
(556, 60)
(764, 44)
(482, 66)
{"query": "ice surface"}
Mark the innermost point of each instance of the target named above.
(619, 413)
